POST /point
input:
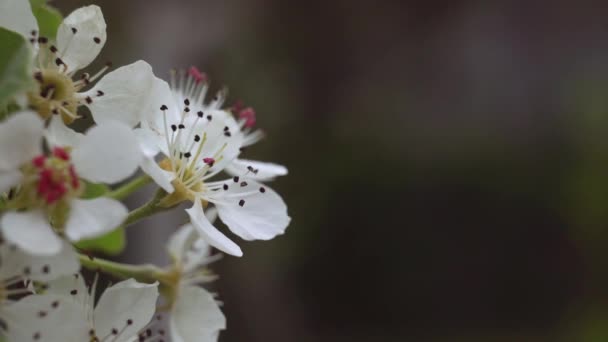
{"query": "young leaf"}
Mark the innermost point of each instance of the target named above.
(15, 64)
(112, 243)
(49, 18)
(94, 190)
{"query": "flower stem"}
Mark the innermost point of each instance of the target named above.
(148, 209)
(143, 273)
(126, 189)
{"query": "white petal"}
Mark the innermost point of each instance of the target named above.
(263, 171)
(211, 214)
(30, 231)
(153, 117)
(262, 215)
(8, 179)
(180, 241)
(127, 300)
(160, 176)
(126, 92)
(149, 142)
(73, 288)
(209, 233)
(217, 139)
(63, 320)
(196, 316)
(58, 134)
(108, 153)
(187, 249)
(94, 217)
(77, 50)
(16, 15)
(39, 268)
(20, 139)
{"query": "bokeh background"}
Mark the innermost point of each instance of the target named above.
(448, 162)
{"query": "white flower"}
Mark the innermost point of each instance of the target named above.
(198, 141)
(50, 184)
(18, 267)
(194, 85)
(66, 313)
(195, 315)
(80, 38)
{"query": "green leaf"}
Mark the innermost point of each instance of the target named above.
(112, 243)
(49, 19)
(15, 64)
(94, 190)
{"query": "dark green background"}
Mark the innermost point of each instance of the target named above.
(448, 162)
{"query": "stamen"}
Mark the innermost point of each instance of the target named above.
(197, 75)
(101, 72)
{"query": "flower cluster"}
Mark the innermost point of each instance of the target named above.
(61, 190)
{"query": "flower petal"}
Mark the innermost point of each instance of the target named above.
(94, 217)
(180, 241)
(58, 134)
(20, 139)
(196, 316)
(209, 233)
(262, 171)
(149, 142)
(223, 134)
(127, 306)
(187, 249)
(16, 15)
(8, 179)
(30, 231)
(251, 210)
(81, 36)
(108, 153)
(39, 268)
(153, 118)
(48, 318)
(125, 90)
(72, 287)
(160, 176)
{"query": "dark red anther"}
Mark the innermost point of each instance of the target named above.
(248, 114)
(197, 75)
(39, 161)
(49, 188)
(61, 153)
(55, 193)
(44, 182)
(209, 161)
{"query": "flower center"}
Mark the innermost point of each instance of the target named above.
(187, 183)
(50, 180)
(55, 94)
(189, 159)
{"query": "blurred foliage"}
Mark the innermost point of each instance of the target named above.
(49, 18)
(112, 243)
(15, 64)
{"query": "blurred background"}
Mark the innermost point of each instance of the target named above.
(448, 162)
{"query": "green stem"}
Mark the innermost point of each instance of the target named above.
(148, 209)
(126, 189)
(144, 273)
